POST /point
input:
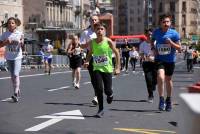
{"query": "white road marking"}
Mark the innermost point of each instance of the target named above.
(7, 99)
(65, 87)
(43, 125)
(33, 75)
(85, 83)
(55, 89)
(177, 63)
(56, 117)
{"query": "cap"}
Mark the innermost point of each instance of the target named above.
(46, 40)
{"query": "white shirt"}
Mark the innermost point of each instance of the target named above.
(134, 54)
(13, 51)
(145, 48)
(87, 35)
(47, 48)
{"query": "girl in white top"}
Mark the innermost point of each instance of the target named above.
(12, 39)
(134, 56)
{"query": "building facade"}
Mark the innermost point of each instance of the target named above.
(133, 16)
(11, 8)
(54, 19)
(129, 16)
(185, 15)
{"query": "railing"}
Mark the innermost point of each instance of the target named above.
(37, 62)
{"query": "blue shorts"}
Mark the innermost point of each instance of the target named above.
(49, 60)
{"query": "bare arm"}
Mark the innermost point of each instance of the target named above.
(117, 56)
(4, 43)
(69, 49)
(89, 55)
(176, 45)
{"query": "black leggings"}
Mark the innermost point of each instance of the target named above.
(150, 73)
(91, 72)
(102, 81)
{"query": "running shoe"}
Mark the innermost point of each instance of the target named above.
(168, 102)
(150, 99)
(109, 99)
(95, 101)
(49, 72)
(77, 86)
(161, 106)
(99, 114)
(15, 98)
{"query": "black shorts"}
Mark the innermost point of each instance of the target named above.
(75, 61)
(167, 66)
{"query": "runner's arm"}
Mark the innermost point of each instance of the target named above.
(117, 56)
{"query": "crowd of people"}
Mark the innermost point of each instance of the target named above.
(157, 54)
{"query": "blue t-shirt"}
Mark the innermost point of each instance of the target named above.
(165, 52)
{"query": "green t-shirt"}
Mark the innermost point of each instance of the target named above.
(102, 56)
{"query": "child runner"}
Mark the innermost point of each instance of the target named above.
(74, 52)
(12, 39)
(47, 48)
(101, 49)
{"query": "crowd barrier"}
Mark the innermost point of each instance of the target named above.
(36, 62)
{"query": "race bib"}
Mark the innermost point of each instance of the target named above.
(164, 49)
(13, 49)
(100, 60)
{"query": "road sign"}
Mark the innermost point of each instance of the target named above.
(57, 117)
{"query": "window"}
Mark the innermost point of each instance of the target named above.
(184, 6)
(6, 16)
(16, 15)
(172, 6)
(139, 19)
(160, 7)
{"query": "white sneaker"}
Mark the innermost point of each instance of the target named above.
(77, 86)
(95, 101)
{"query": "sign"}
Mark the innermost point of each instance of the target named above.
(57, 117)
(195, 37)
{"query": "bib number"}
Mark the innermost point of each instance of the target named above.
(101, 60)
(163, 49)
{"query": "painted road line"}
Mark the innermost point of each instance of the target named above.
(55, 89)
(44, 125)
(41, 74)
(144, 131)
(7, 99)
(56, 117)
(85, 83)
(177, 63)
(33, 75)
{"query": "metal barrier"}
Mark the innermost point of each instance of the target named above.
(36, 61)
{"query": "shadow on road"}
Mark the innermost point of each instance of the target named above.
(131, 100)
(72, 104)
(140, 111)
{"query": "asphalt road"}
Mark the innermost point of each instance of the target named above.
(50, 105)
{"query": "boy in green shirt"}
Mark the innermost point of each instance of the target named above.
(101, 49)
